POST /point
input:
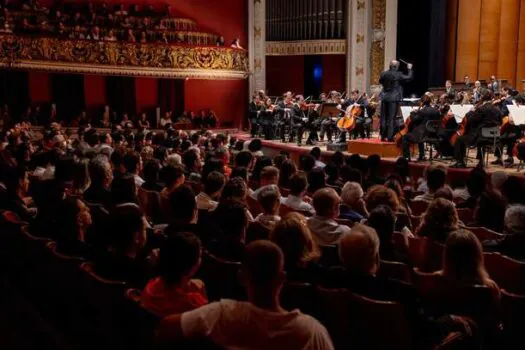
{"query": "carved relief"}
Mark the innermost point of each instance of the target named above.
(378, 40)
(319, 47)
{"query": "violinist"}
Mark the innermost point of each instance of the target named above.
(254, 111)
(510, 133)
(309, 115)
(417, 131)
(327, 124)
(484, 116)
(289, 114)
(450, 91)
(267, 119)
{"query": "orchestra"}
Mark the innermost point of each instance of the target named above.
(291, 116)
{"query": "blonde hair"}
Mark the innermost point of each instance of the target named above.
(294, 238)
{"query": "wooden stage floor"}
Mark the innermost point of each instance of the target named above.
(367, 147)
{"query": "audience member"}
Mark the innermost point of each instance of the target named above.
(436, 178)
(513, 243)
(287, 170)
(270, 200)
(383, 220)
(380, 195)
(151, 176)
(182, 211)
(440, 219)
(316, 180)
(269, 176)
(301, 253)
(270, 327)
(174, 290)
(296, 198)
(373, 177)
(207, 200)
(490, 211)
(124, 190)
(323, 225)
(354, 206)
(316, 154)
(232, 221)
(133, 165)
(100, 176)
(476, 185)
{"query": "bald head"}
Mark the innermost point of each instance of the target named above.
(394, 64)
(359, 250)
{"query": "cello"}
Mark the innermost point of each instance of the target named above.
(347, 122)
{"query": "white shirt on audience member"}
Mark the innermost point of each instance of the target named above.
(326, 231)
(241, 325)
(204, 202)
(297, 203)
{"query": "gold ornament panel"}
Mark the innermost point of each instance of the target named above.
(120, 58)
(307, 47)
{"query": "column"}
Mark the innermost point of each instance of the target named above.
(357, 69)
(257, 42)
(377, 42)
(508, 40)
(391, 32)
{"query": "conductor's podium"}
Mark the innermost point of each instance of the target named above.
(374, 146)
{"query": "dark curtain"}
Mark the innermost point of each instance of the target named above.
(436, 42)
(120, 95)
(313, 75)
(67, 92)
(14, 91)
(171, 96)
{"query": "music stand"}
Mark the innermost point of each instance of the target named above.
(329, 110)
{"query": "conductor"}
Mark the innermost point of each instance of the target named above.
(392, 95)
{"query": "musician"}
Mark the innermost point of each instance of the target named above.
(308, 115)
(328, 125)
(494, 84)
(267, 119)
(392, 95)
(510, 133)
(477, 92)
(468, 83)
(254, 110)
(363, 120)
(289, 115)
(485, 116)
(450, 91)
(418, 127)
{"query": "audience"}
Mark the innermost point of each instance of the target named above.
(151, 176)
(174, 291)
(101, 176)
(490, 211)
(440, 219)
(383, 220)
(354, 206)
(316, 180)
(260, 322)
(270, 200)
(208, 199)
(296, 198)
(287, 170)
(269, 176)
(325, 229)
(436, 178)
(513, 243)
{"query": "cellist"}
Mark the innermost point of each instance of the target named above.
(363, 118)
(485, 116)
(418, 127)
(510, 133)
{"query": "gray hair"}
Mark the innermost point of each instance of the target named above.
(515, 220)
(351, 193)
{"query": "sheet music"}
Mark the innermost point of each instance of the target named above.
(460, 111)
(405, 111)
(517, 113)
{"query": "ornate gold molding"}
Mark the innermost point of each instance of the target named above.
(307, 47)
(116, 58)
(378, 39)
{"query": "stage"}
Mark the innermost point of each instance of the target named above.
(388, 152)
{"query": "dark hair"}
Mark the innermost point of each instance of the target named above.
(514, 190)
(476, 182)
(179, 254)
(240, 171)
(278, 160)
(243, 159)
(269, 198)
(436, 178)
(232, 218)
(214, 182)
(125, 222)
(316, 152)
(332, 171)
(263, 260)
(316, 180)
(298, 184)
(171, 173)
(189, 159)
(260, 164)
(338, 158)
(124, 190)
(373, 163)
(402, 168)
(383, 220)
(288, 169)
(182, 204)
(255, 145)
(151, 170)
(235, 188)
(131, 161)
(212, 164)
(64, 169)
(490, 211)
(355, 161)
(306, 163)
(349, 174)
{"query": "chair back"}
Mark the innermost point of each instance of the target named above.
(418, 207)
(465, 215)
(513, 309)
(415, 220)
(221, 277)
(329, 255)
(508, 273)
(150, 204)
(297, 295)
(484, 233)
(425, 253)
(395, 270)
(257, 231)
(334, 313)
(387, 319)
(432, 126)
(490, 132)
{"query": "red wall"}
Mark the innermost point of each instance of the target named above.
(146, 94)
(334, 73)
(284, 73)
(94, 90)
(39, 87)
(228, 98)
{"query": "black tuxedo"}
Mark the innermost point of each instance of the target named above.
(253, 116)
(392, 94)
(418, 129)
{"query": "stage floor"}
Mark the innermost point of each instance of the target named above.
(275, 147)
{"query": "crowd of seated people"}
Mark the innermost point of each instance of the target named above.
(40, 115)
(103, 22)
(221, 200)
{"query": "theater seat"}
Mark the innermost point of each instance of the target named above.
(484, 233)
(425, 253)
(508, 273)
(221, 277)
(513, 311)
(395, 270)
(418, 207)
(297, 295)
(330, 255)
(144, 322)
(465, 215)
